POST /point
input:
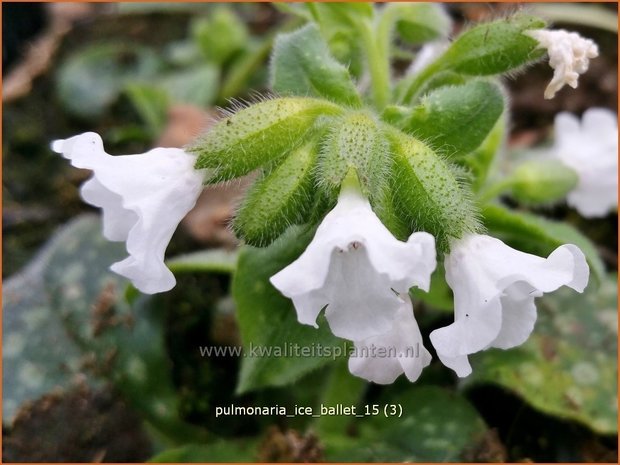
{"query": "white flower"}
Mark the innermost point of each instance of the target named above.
(143, 198)
(569, 56)
(591, 149)
(356, 268)
(384, 358)
(494, 289)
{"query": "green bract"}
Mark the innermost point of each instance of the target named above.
(427, 191)
(280, 198)
(354, 143)
(257, 135)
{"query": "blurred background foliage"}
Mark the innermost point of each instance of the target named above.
(97, 372)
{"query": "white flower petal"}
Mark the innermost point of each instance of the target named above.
(473, 328)
(356, 267)
(569, 56)
(381, 359)
(361, 302)
(117, 222)
(494, 288)
(591, 149)
(518, 316)
(143, 197)
(459, 364)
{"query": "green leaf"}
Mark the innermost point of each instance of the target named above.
(280, 198)
(339, 24)
(36, 349)
(297, 9)
(302, 65)
(456, 120)
(348, 13)
(73, 322)
(211, 261)
(218, 451)
(197, 85)
(236, 145)
(436, 426)
(125, 342)
(220, 35)
(486, 49)
(267, 319)
(417, 23)
(493, 48)
(537, 235)
(92, 79)
(151, 103)
(567, 368)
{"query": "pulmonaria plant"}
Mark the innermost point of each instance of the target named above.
(389, 178)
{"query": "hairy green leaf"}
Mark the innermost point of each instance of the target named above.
(456, 120)
(496, 47)
(303, 65)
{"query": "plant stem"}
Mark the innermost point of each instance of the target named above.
(237, 77)
(493, 190)
(378, 64)
(416, 83)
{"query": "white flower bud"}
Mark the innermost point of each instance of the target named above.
(569, 56)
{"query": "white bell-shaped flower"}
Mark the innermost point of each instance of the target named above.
(357, 269)
(494, 288)
(591, 149)
(143, 198)
(569, 56)
(383, 358)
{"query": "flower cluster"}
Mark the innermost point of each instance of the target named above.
(360, 274)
